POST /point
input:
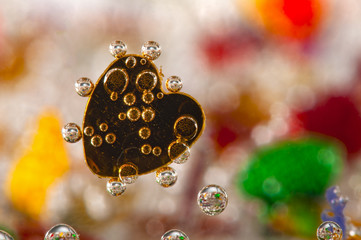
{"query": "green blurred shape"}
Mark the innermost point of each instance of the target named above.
(283, 170)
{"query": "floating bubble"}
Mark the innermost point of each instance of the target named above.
(212, 199)
(5, 236)
(130, 62)
(174, 84)
(96, 141)
(147, 97)
(118, 49)
(89, 131)
(61, 232)
(115, 187)
(174, 234)
(144, 133)
(146, 81)
(179, 152)
(329, 231)
(185, 127)
(129, 99)
(84, 86)
(71, 132)
(133, 114)
(115, 82)
(157, 151)
(128, 173)
(148, 114)
(110, 138)
(146, 149)
(151, 50)
(166, 176)
(103, 127)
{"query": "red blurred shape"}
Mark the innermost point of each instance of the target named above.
(224, 136)
(300, 12)
(224, 49)
(337, 117)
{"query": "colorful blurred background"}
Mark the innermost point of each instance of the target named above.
(280, 84)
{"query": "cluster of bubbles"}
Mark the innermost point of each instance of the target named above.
(57, 232)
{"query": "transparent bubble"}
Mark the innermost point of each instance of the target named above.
(147, 97)
(166, 176)
(212, 199)
(148, 114)
(128, 173)
(118, 49)
(144, 133)
(329, 231)
(174, 84)
(151, 50)
(84, 86)
(71, 132)
(115, 187)
(174, 234)
(130, 62)
(63, 232)
(179, 152)
(5, 236)
(96, 141)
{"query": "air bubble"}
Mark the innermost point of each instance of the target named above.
(84, 87)
(128, 173)
(115, 187)
(71, 133)
(118, 49)
(212, 199)
(166, 176)
(151, 50)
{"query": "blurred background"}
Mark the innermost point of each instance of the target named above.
(280, 84)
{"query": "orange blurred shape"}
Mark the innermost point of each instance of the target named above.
(42, 162)
(297, 19)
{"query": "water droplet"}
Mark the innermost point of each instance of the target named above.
(157, 151)
(160, 95)
(174, 84)
(146, 149)
(128, 173)
(133, 114)
(179, 152)
(122, 116)
(130, 62)
(88, 131)
(151, 50)
(174, 234)
(329, 231)
(143, 61)
(71, 133)
(146, 81)
(84, 87)
(61, 231)
(103, 127)
(166, 176)
(116, 80)
(148, 114)
(129, 99)
(212, 199)
(147, 97)
(110, 138)
(96, 141)
(114, 96)
(144, 133)
(115, 187)
(185, 127)
(5, 236)
(118, 49)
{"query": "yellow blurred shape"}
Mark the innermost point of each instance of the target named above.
(43, 161)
